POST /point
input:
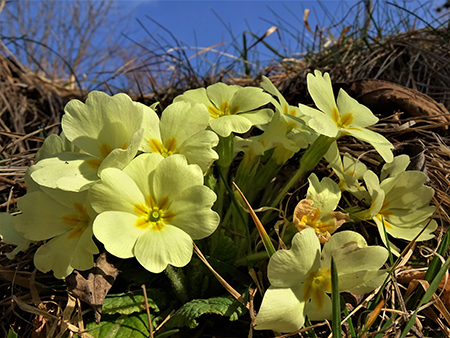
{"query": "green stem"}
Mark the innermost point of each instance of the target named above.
(308, 162)
(177, 278)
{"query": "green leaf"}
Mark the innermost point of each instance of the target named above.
(12, 334)
(223, 305)
(336, 302)
(427, 297)
(123, 326)
(223, 248)
(128, 303)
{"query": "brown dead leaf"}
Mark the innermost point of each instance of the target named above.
(386, 97)
(92, 286)
(415, 278)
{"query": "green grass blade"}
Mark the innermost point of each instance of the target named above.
(427, 297)
(435, 264)
(311, 333)
(335, 302)
(349, 320)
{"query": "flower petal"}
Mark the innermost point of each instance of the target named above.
(150, 124)
(53, 145)
(220, 93)
(362, 281)
(118, 232)
(249, 98)
(102, 119)
(119, 158)
(361, 115)
(155, 249)
(259, 117)
(140, 168)
(198, 149)
(63, 255)
(66, 171)
(42, 216)
(319, 122)
(181, 120)
(342, 242)
(116, 192)
(314, 313)
(321, 91)
(193, 212)
(288, 268)
(408, 232)
(281, 310)
(326, 194)
(379, 142)
(9, 235)
(173, 175)
(367, 258)
(227, 124)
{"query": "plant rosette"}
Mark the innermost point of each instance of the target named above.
(342, 117)
(153, 209)
(317, 210)
(106, 129)
(300, 278)
(231, 108)
(182, 130)
(63, 218)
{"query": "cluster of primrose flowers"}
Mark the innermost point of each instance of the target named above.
(136, 182)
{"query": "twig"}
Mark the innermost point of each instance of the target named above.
(147, 308)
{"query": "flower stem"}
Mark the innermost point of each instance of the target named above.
(308, 162)
(177, 278)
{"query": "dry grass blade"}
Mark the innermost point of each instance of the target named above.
(222, 281)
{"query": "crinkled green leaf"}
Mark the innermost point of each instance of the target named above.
(123, 326)
(223, 248)
(129, 303)
(189, 312)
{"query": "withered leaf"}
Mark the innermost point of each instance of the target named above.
(91, 286)
(386, 97)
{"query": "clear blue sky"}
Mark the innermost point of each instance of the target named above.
(199, 24)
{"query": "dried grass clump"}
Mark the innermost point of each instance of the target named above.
(31, 107)
(416, 59)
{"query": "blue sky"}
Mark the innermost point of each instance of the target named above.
(194, 22)
(202, 23)
(194, 25)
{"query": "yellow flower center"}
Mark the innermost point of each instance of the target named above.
(385, 213)
(342, 121)
(154, 215)
(317, 283)
(105, 149)
(287, 111)
(314, 222)
(78, 221)
(224, 109)
(169, 147)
